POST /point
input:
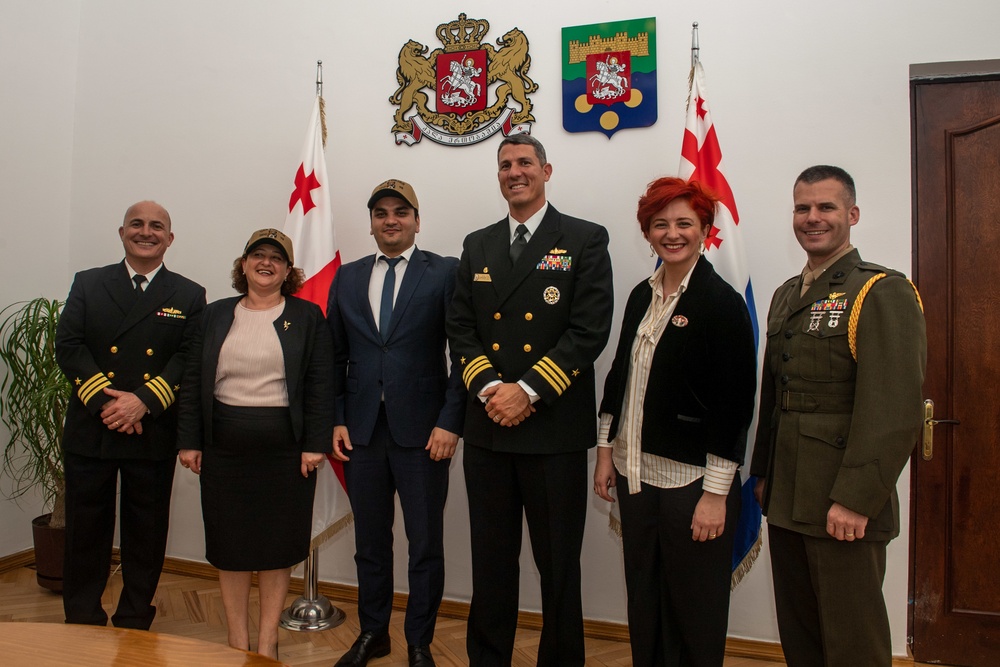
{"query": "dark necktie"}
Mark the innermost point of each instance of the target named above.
(138, 280)
(388, 289)
(519, 242)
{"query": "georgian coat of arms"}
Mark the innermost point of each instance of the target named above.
(461, 77)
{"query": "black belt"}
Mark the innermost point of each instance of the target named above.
(793, 401)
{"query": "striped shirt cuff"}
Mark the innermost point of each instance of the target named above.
(719, 474)
(603, 430)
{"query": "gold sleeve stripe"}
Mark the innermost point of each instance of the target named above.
(552, 374)
(91, 387)
(475, 367)
(162, 390)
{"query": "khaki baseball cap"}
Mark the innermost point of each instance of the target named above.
(394, 188)
(275, 238)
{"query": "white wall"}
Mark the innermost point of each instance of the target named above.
(203, 106)
(38, 47)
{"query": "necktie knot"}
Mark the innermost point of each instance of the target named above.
(138, 279)
(519, 242)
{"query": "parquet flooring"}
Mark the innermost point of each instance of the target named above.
(192, 607)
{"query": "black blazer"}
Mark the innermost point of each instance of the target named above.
(108, 338)
(308, 353)
(543, 320)
(700, 395)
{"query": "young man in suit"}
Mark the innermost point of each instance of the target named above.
(840, 410)
(399, 414)
(532, 311)
(122, 341)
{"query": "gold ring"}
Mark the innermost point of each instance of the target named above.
(712, 536)
(849, 534)
(116, 423)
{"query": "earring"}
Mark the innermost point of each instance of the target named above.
(651, 253)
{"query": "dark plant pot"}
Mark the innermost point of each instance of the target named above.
(50, 546)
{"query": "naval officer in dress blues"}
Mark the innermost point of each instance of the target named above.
(122, 341)
(532, 311)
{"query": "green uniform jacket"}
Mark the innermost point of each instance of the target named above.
(831, 429)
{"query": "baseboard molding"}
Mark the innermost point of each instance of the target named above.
(18, 560)
(529, 620)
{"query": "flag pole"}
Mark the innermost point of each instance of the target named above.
(695, 49)
(312, 611)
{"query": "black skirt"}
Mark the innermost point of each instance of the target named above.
(256, 504)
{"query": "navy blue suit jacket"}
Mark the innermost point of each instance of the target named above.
(410, 368)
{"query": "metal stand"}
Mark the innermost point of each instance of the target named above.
(311, 611)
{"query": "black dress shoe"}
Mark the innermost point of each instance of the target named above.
(420, 656)
(368, 645)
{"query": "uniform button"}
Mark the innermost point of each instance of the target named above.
(838, 274)
(784, 379)
(111, 375)
(840, 440)
(785, 356)
(496, 346)
(528, 316)
(145, 376)
(149, 352)
(789, 333)
(385, 348)
(527, 348)
(496, 316)
(114, 349)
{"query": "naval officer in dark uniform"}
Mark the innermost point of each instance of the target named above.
(840, 411)
(122, 341)
(531, 312)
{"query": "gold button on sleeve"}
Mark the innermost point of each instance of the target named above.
(527, 347)
(528, 316)
(111, 375)
(496, 346)
(145, 376)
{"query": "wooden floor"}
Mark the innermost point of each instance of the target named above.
(192, 607)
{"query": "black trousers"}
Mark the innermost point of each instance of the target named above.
(91, 494)
(550, 490)
(678, 588)
(828, 598)
(374, 475)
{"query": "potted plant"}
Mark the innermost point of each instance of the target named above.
(34, 394)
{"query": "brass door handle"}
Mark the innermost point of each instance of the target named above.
(927, 450)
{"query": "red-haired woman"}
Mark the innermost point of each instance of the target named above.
(677, 405)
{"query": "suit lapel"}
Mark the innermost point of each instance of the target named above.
(291, 329)
(358, 291)
(156, 294)
(120, 288)
(414, 272)
(544, 238)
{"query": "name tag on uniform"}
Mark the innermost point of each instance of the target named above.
(483, 277)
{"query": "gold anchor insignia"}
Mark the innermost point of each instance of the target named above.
(287, 324)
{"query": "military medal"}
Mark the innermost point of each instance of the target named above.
(551, 295)
(833, 307)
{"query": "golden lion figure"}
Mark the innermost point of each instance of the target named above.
(509, 64)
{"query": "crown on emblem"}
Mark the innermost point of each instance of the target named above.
(462, 34)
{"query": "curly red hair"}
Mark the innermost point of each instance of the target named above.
(664, 190)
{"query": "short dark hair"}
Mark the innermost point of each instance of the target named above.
(822, 172)
(293, 281)
(662, 191)
(524, 140)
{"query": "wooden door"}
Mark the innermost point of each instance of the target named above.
(955, 501)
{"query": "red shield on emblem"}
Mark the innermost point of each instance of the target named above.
(609, 77)
(461, 81)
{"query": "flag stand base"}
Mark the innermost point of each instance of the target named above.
(311, 611)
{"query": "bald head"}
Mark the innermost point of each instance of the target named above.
(145, 235)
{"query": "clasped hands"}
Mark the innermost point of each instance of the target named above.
(507, 403)
(123, 412)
